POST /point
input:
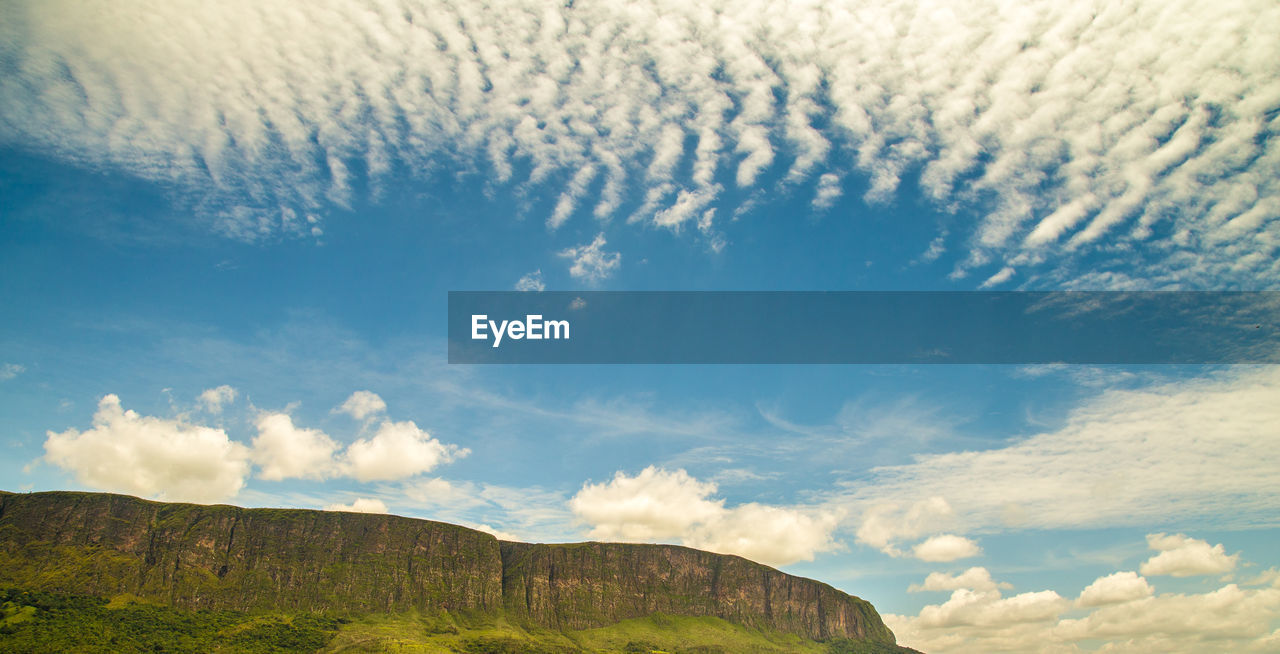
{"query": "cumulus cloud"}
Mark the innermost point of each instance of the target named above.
(1114, 589)
(213, 399)
(397, 450)
(1177, 622)
(1201, 449)
(885, 524)
(976, 578)
(284, 451)
(1077, 132)
(665, 506)
(987, 608)
(946, 547)
(531, 282)
(362, 405)
(360, 505)
(591, 263)
(153, 457)
(972, 622)
(10, 370)
(1181, 556)
(1119, 612)
(496, 533)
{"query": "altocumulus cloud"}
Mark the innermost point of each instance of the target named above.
(1123, 132)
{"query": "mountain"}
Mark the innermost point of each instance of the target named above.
(321, 562)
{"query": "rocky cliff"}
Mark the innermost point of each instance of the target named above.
(227, 557)
(582, 585)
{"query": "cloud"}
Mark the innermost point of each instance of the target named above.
(885, 524)
(1119, 612)
(283, 451)
(652, 505)
(531, 282)
(1199, 449)
(591, 263)
(657, 505)
(1115, 589)
(397, 450)
(828, 191)
(10, 370)
(972, 622)
(362, 405)
(152, 457)
(359, 505)
(1181, 556)
(987, 608)
(976, 578)
(213, 399)
(1176, 622)
(1004, 275)
(946, 547)
(1139, 135)
(496, 533)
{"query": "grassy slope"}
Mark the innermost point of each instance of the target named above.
(37, 622)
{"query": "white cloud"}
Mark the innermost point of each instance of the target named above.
(152, 457)
(828, 191)
(10, 370)
(531, 282)
(663, 506)
(769, 534)
(1181, 556)
(1121, 456)
(591, 262)
(976, 578)
(397, 450)
(360, 505)
(362, 405)
(1004, 275)
(1114, 589)
(1268, 577)
(213, 399)
(988, 608)
(1201, 622)
(1073, 130)
(946, 547)
(884, 524)
(1120, 612)
(652, 505)
(496, 533)
(283, 451)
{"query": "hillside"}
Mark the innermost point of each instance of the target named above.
(225, 558)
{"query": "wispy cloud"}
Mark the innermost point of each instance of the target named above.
(1200, 452)
(1075, 130)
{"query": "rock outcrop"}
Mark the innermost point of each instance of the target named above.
(222, 556)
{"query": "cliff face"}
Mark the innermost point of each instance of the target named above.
(584, 585)
(228, 557)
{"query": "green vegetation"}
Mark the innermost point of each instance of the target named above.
(36, 622)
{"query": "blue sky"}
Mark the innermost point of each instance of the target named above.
(230, 230)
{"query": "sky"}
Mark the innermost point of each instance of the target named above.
(229, 231)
